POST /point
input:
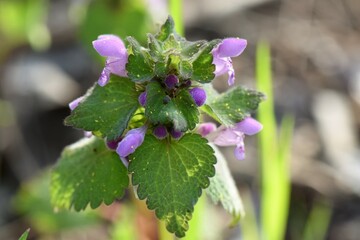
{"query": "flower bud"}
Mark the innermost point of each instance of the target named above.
(171, 81)
(132, 140)
(160, 132)
(176, 134)
(142, 98)
(199, 96)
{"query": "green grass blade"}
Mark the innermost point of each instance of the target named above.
(318, 221)
(175, 7)
(274, 153)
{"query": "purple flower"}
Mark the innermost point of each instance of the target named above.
(229, 47)
(160, 132)
(113, 48)
(142, 98)
(199, 96)
(132, 140)
(75, 103)
(232, 136)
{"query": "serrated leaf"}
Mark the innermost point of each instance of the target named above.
(232, 106)
(179, 111)
(223, 189)
(87, 173)
(203, 68)
(106, 110)
(140, 66)
(166, 29)
(171, 175)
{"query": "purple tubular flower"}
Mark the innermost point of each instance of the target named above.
(160, 132)
(206, 128)
(249, 126)
(113, 48)
(176, 134)
(229, 47)
(75, 103)
(199, 96)
(234, 136)
(132, 140)
(171, 81)
(142, 98)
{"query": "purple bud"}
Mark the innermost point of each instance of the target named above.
(142, 98)
(249, 126)
(132, 140)
(171, 81)
(160, 132)
(199, 96)
(176, 134)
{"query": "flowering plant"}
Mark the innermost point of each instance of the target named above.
(145, 111)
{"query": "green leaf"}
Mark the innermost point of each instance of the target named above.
(185, 69)
(106, 110)
(179, 111)
(189, 49)
(232, 106)
(172, 44)
(87, 172)
(203, 68)
(223, 189)
(140, 66)
(25, 235)
(166, 29)
(170, 175)
(155, 48)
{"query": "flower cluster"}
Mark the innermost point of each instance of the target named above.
(116, 53)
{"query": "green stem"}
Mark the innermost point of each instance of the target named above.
(175, 8)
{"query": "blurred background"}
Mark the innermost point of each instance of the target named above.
(47, 60)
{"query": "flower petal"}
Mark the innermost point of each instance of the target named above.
(220, 65)
(228, 137)
(109, 46)
(231, 47)
(249, 126)
(73, 104)
(239, 151)
(117, 65)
